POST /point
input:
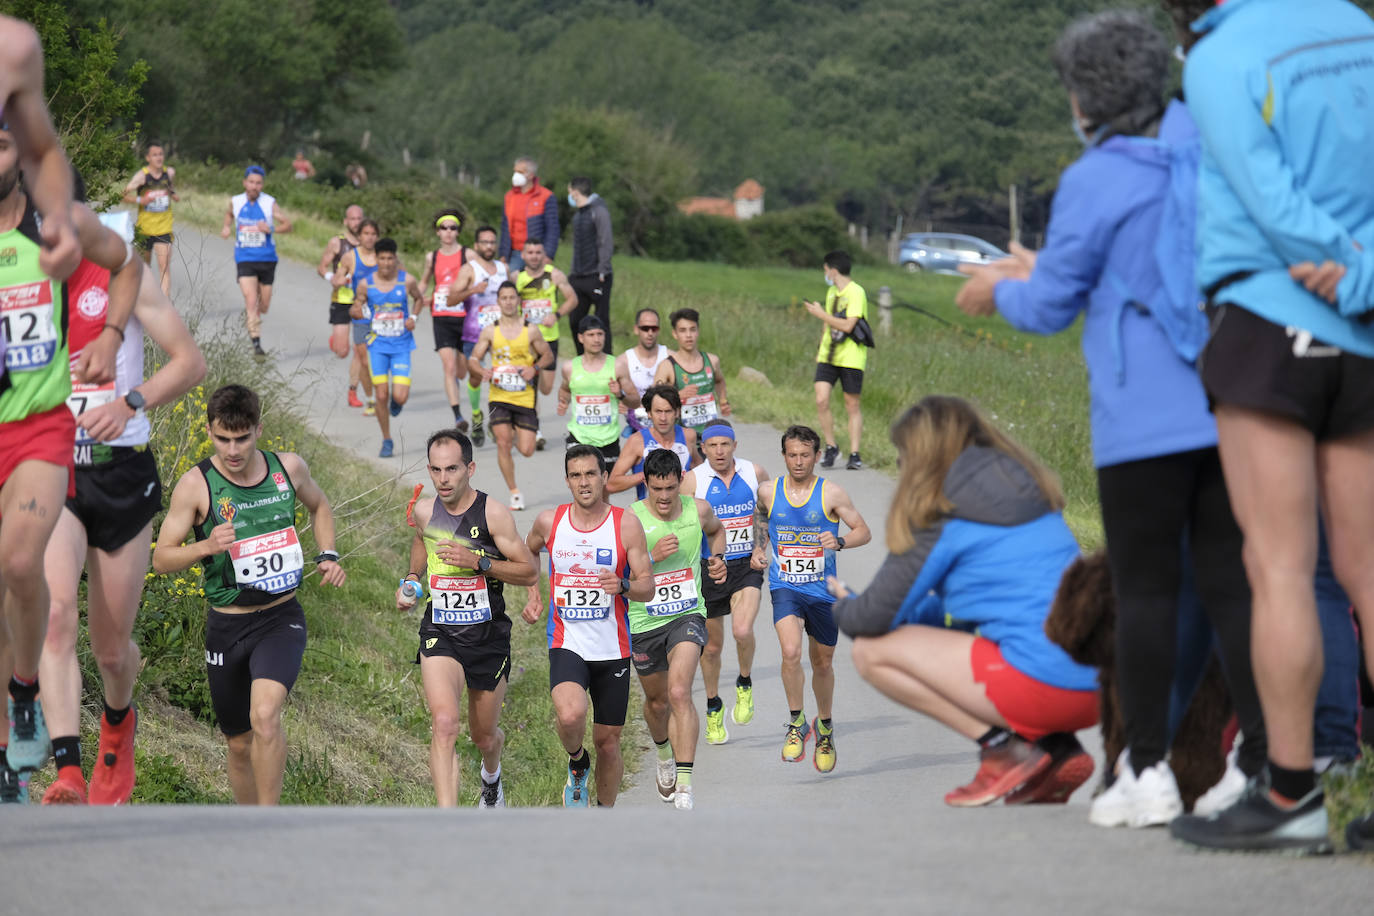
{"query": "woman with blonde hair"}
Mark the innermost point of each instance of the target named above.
(977, 542)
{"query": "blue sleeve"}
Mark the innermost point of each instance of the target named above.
(1246, 151)
(503, 247)
(930, 610)
(551, 228)
(1068, 267)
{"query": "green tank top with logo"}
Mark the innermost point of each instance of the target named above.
(265, 560)
(595, 412)
(677, 577)
(33, 319)
(698, 410)
(539, 297)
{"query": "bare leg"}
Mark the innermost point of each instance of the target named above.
(656, 704)
(484, 723)
(241, 768)
(251, 307)
(443, 683)
(338, 345)
(269, 741)
(383, 414)
(610, 767)
(683, 723)
(823, 677)
(856, 420)
(927, 669)
(823, 414)
(455, 368)
(504, 435)
(790, 641)
(710, 656)
(116, 581)
(30, 505)
(164, 267)
(744, 609)
(59, 672)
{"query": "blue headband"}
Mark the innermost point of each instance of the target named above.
(712, 431)
(254, 170)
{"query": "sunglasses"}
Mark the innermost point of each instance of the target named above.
(449, 228)
(648, 327)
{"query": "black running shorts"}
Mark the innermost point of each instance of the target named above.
(263, 271)
(448, 333)
(338, 313)
(499, 412)
(242, 648)
(483, 666)
(608, 682)
(738, 574)
(116, 500)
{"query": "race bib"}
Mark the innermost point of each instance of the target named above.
(801, 563)
(580, 597)
(251, 238)
(26, 319)
(699, 409)
(739, 536)
(390, 323)
(268, 562)
(594, 410)
(674, 592)
(460, 600)
(536, 310)
(488, 315)
(158, 202)
(508, 378)
(441, 305)
(86, 397)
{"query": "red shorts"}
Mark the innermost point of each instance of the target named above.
(49, 436)
(1033, 709)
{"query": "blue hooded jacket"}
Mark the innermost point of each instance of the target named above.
(1146, 399)
(1283, 94)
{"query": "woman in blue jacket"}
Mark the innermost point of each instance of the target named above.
(976, 538)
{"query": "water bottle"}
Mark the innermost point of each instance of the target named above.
(410, 592)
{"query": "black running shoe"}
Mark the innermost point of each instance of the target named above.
(257, 348)
(1359, 833)
(855, 462)
(831, 453)
(1255, 823)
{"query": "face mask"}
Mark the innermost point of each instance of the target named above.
(572, 203)
(1084, 137)
(828, 281)
(519, 180)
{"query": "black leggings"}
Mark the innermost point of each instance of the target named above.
(1147, 506)
(593, 298)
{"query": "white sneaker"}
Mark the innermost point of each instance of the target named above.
(1225, 793)
(493, 795)
(1146, 800)
(666, 777)
(682, 798)
(517, 502)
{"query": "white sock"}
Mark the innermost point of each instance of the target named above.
(491, 778)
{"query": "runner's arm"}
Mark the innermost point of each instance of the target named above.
(418, 297)
(326, 259)
(621, 477)
(762, 506)
(426, 274)
(690, 435)
(416, 570)
(478, 373)
(228, 228)
(629, 394)
(280, 221)
(519, 566)
(663, 375)
(462, 286)
(535, 541)
(190, 501)
(104, 247)
(565, 387)
(344, 275)
(637, 551)
(569, 294)
(837, 502)
(131, 189)
(715, 536)
(321, 515)
(171, 182)
(719, 378)
(355, 311)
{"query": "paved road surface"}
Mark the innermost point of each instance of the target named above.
(766, 837)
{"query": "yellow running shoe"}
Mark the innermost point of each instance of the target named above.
(716, 732)
(794, 745)
(824, 755)
(743, 712)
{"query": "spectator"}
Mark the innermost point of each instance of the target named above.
(530, 214)
(356, 175)
(591, 261)
(303, 168)
(976, 534)
(841, 358)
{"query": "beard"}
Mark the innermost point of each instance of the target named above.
(8, 182)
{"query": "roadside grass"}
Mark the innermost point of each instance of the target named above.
(1350, 794)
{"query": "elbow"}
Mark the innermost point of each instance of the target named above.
(160, 564)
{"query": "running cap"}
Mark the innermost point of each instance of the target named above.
(590, 323)
(717, 429)
(254, 170)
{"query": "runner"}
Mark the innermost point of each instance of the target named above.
(598, 559)
(639, 364)
(516, 357)
(592, 390)
(354, 268)
(341, 294)
(798, 546)
(702, 389)
(151, 188)
(731, 486)
(547, 296)
(386, 296)
(241, 504)
(663, 432)
(106, 530)
(476, 285)
(442, 265)
(464, 553)
(667, 631)
(254, 219)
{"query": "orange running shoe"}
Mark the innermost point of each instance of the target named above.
(1070, 766)
(353, 399)
(1001, 770)
(112, 779)
(69, 788)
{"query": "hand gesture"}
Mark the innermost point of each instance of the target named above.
(533, 607)
(758, 559)
(455, 554)
(827, 540)
(107, 421)
(666, 547)
(716, 569)
(221, 536)
(331, 573)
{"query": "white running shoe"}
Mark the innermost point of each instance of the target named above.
(1147, 800)
(517, 502)
(493, 795)
(1225, 793)
(682, 798)
(666, 777)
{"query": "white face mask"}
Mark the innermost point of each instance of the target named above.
(828, 280)
(519, 180)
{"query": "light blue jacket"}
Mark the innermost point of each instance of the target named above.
(1283, 95)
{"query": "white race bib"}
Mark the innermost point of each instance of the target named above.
(536, 310)
(580, 597)
(488, 315)
(593, 410)
(390, 323)
(801, 563)
(739, 536)
(26, 319)
(251, 238)
(674, 592)
(86, 397)
(268, 562)
(508, 378)
(460, 600)
(699, 409)
(158, 202)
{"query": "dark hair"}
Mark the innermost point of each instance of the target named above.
(78, 187)
(796, 433)
(689, 314)
(387, 244)
(235, 407)
(1117, 65)
(653, 312)
(481, 229)
(529, 242)
(1184, 13)
(840, 260)
(369, 221)
(152, 143)
(452, 434)
(581, 184)
(667, 392)
(508, 285)
(583, 451)
(662, 462)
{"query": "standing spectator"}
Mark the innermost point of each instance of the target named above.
(303, 168)
(530, 214)
(356, 175)
(591, 261)
(841, 358)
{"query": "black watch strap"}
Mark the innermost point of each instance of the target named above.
(839, 540)
(331, 555)
(624, 585)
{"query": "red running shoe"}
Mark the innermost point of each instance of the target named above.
(112, 779)
(69, 788)
(1001, 770)
(353, 399)
(1057, 783)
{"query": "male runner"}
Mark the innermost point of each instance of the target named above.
(152, 189)
(442, 266)
(106, 530)
(663, 431)
(37, 431)
(592, 390)
(598, 559)
(464, 553)
(476, 285)
(516, 358)
(796, 538)
(386, 296)
(639, 365)
(241, 504)
(253, 219)
(546, 296)
(355, 267)
(702, 388)
(667, 630)
(341, 295)
(731, 485)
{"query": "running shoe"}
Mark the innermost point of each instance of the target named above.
(794, 744)
(396, 407)
(257, 348)
(831, 453)
(461, 425)
(370, 410)
(14, 786)
(682, 798)
(666, 778)
(479, 435)
(575, 789)
(823, 754)
(716, 732)
(388, 449)
(539, 440)
(112, 778)
(855, 462)
(493, 796)
(1226, 792)
(29, 744)
(69, 788)
(743, 711)
(353, 399)
(1257, 823)
(1069, 768)
(1149, 799)
(1001, 770)
(1359, 833)
(517, 502)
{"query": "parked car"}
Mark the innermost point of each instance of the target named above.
(943, 252)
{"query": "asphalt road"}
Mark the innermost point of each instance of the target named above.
(766, 837)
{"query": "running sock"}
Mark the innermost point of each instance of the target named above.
(744, 680)
(491, 779)
(22, 689)
(994, 737)
(475, 399)
(797, 717)
(457, 413)
(684, 774)
(823, 726)
(116, 716)
(581, 762)
(66, 752)
(665, 750)
(1292, 785)
(714, 704)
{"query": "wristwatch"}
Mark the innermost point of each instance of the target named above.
(840, 541)
(135, 400)
(624, 585)
(484, 564)
(330, 555)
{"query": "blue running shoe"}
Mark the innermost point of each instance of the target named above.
(388, 449)
(29, 744)
(396, 408)
(14, 786)
(575, 790)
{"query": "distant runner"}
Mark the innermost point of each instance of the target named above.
(476, 285)
(253, 219)
(546, 296)
(442, 266)
(639, 365)
(354, 268)
(341, 293)
(386, 296)
(663, 432)
(152, 189)
(694, 373)
(594, 394)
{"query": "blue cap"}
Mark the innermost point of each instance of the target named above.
(254, 169)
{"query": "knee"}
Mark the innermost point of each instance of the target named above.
(488, 742)
(657, 706)
(712, 651)
(864, 655)
(445, 724)
(791, 656)
(822, 402)
(265, 717)
(742, 631)
(115, 659)
(21, 566)
(680, 695)
(570, 718)
(400, 394)
(607, 747)
(822, 665)
(62, 624)
(240, 748)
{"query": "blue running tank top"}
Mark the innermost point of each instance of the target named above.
(251, 244)
(650, 443)
(389, 311)
(798, 562)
